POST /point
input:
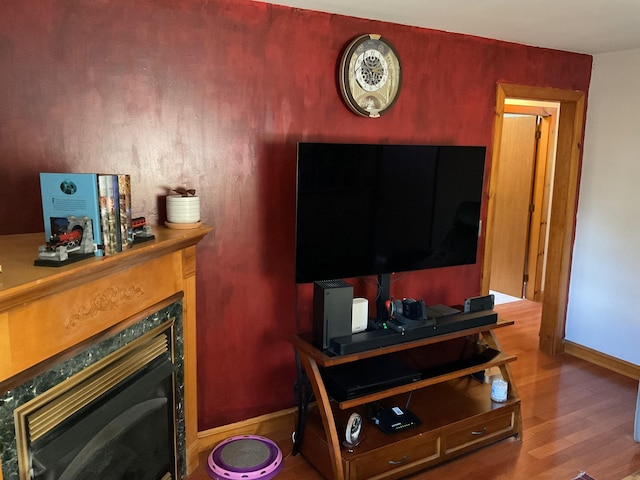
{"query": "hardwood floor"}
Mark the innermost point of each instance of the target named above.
(577, 417)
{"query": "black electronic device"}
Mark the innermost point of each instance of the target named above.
(407, 314)
(332, 310)
(438, 311)
(394, 419)
(414, 309)
(354, 379)
(477, 304)
(369, 340)
(376, 209)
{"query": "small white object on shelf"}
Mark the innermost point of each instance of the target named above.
(499, 390)
(183, 209)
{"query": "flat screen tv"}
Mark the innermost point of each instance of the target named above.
(379, 209)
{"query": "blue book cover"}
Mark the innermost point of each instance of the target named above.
(67, 195)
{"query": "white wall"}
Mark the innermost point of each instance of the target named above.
(604, 296)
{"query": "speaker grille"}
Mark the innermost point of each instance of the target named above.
(333, 283)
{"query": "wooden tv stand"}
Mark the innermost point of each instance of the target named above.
(456, 412)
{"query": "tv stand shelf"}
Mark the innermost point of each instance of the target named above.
(456, 412)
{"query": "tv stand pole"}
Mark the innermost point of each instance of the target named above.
(384, 294)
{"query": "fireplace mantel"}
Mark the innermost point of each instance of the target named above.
(48, 314)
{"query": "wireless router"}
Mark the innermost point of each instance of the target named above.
(395, 419)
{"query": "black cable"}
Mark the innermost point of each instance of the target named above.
(304, 394)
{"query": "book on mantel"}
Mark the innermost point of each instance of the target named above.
(68, 195)
(104, 198)
(114, 198)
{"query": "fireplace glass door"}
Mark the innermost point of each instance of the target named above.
(116, 422)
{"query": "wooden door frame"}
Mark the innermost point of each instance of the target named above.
(563, 207)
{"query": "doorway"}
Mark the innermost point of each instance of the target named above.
(523, 198)
(560, 223)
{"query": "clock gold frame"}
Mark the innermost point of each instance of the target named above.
(370, 75)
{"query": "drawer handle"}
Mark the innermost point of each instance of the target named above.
(479, 432)
(399, 462)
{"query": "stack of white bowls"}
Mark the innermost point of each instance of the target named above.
(183, 209)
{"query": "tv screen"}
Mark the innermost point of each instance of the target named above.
(379, 209)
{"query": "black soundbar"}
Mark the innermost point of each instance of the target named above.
(369, 340)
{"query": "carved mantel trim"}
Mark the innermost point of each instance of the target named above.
(105, 301)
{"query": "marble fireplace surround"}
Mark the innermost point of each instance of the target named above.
(49, 316)
(17, 397)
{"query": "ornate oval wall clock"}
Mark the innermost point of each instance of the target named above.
(370, 75)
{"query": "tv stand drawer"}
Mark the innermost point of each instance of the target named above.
(493, 426)
(396, 459)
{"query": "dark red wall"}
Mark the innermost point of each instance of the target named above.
(214, 94)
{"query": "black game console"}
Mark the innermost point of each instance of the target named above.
(332, 306)
(478, 304)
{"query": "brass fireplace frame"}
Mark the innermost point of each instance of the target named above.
(43, 413)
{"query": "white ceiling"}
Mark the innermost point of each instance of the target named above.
(584, 26)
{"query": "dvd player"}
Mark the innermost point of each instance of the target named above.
(369, 340)
(351, 380)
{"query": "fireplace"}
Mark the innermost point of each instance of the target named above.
(56, 323)
(112, 412)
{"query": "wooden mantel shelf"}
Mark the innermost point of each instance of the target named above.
(21, 281)
(48, 313)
